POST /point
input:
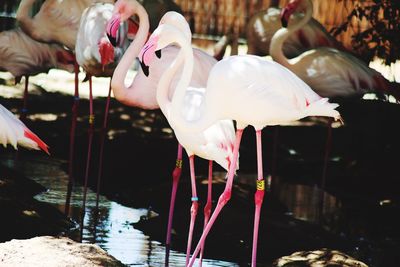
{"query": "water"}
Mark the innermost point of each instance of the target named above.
(111, 228)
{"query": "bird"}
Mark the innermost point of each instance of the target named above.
(263, 24)
(142, 93)
(22, 56)
(328, 71)
(14, 132)
(55, 22)
(244, 88)
(98, 57)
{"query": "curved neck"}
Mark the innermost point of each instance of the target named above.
(276, 45)
(173, 109)
(118, 79)
(24, 15)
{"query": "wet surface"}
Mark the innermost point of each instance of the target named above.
(355, 213)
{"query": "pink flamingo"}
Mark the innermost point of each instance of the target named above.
(142, 93)
(14, 132)
(328, 71)
(263, 25)
(23, 56)
(248, 89)
(96, 55)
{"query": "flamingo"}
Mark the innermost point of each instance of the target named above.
(14, 132)
(248, 89)
(262, 26)
(328, 71)
(22, 56)
(97, 56)
(142, 93)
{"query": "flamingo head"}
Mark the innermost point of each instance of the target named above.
(106, 51)
(147, 53)
(123, 10)
(177, 20)
(288, 11)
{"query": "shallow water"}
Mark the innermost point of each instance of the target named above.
(111, 228)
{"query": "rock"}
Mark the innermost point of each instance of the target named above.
(318, 258)
(54, 252)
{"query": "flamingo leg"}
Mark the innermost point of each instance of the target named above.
(24, 110)
(223, 199)
(176, 174)
(193, 210)
(102, 141)
(71, 179)
(90, 132)
(258, 198)
(207, 207)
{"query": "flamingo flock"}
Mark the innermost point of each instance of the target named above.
(199, 96)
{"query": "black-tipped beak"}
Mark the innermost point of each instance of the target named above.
(145, 68)
(113, 40)
(284, 22)
(158, 53)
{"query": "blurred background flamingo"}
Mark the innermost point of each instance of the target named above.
(262, 25)
(22, 56)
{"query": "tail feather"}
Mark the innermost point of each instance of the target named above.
(29, 134)
(323, 108)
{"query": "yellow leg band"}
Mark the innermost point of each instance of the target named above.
(261, 184)
(91, 119)
(179, 163)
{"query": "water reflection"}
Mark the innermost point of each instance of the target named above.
(110, 226)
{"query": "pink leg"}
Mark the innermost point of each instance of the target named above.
(91, 128)
(258, 198)
(207, 207)
(103, 137)
(75, 106)
(176, 174)
(193, 210)
(223, 199)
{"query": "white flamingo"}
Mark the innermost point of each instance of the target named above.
(98, 57)
(14, 132)
(248, 89)
(214, 144)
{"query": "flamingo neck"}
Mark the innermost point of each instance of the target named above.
(278, 39)
(24, 15)
(118, 79)
(173, 109)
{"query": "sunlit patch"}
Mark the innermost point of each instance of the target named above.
(292, 152)
(125, 117)
(167, 130)
(112, 133)
(43, 117)
(385, 202)
(30, 213)
(336, 159)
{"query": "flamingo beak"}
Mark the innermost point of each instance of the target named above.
(285, 15)
(145, 68)
(112, 29)
(158, 53)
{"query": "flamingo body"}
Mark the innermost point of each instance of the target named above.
(21, 55)
(14, 132)
(56, 21)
